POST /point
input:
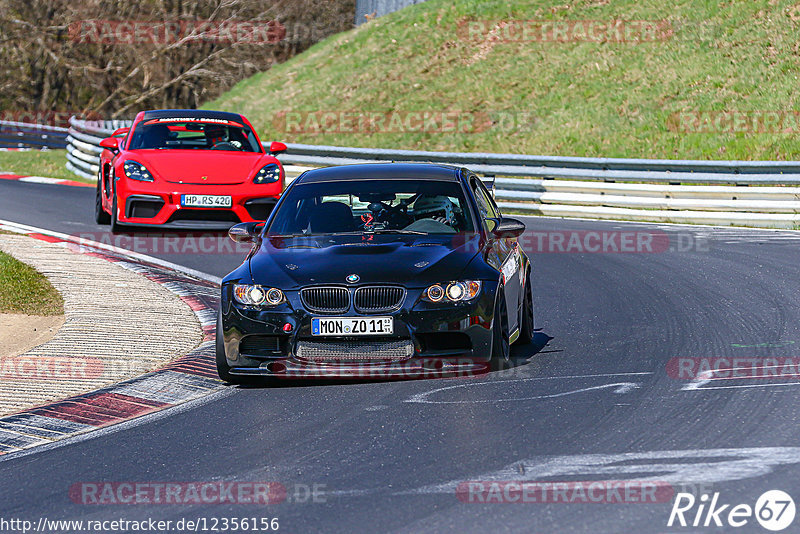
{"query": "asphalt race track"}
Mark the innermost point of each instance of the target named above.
(597, 397)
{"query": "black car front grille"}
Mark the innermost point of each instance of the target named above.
(326, 299)
(372, 299)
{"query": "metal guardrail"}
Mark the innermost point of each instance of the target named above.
(83, 144)
(608, 188)
(606, 169)
(378, 8)
(37, 136)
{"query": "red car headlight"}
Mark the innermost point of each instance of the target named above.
(268, 174)
(136, 171)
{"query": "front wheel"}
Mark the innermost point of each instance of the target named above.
(223, 369)
(100, 215)
(526, 327)
(501, 349)
(115, 226)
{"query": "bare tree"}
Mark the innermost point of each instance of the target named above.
(112, 57)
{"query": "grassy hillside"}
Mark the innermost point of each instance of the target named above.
(585, 98)
(49, 163)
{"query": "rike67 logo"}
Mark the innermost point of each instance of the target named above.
(774, 510)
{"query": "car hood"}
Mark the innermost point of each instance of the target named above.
(203, 167)
(412, 261)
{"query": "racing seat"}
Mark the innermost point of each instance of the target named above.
(332, 217)
(214, 135)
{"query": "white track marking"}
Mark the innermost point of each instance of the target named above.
(706, 377)
(747, 386)
(698, 381)
(693, 466)
(621, 388)
(626, 387)
(41, 180)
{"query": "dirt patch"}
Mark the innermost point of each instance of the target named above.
(19, 333)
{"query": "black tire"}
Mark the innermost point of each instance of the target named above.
(501, 348)
(526, 326)
(223, 369)
(100, 216)
(115, 226)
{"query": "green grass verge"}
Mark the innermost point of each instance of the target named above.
(614, 99)
(23, 289)
(49, 163)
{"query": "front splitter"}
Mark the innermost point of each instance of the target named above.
(408, 369)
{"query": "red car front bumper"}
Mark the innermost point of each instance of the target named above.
(159, 204)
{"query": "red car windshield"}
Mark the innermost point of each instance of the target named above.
(198, 134)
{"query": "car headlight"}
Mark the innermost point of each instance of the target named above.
(452, 291)
(268, 174)
(257, 295)
(136, 171)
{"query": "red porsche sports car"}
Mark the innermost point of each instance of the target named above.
(187, 169)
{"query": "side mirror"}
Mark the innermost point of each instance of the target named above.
(508, 227)
(111, 143)
(246, 232)
(276, 147)
(120, 131)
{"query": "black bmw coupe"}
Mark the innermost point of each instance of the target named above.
(378, 270)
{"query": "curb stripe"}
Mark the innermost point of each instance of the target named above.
(12, 440)
(31, 431)
(46, 238)
(44, 180)
(47, 423)
(184, 379)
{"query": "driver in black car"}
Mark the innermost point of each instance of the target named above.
(429, 214)
(383, 214)
(435, 214)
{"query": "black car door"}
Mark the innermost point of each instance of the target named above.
(501, 253)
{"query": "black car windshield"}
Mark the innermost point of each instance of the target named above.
(373, 206)
(197, 134)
